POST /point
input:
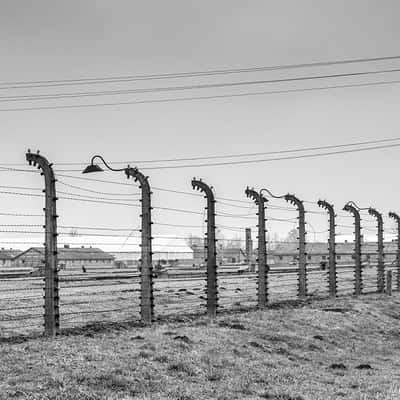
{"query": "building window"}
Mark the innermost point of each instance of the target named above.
(294, 258)
(324, 257)
(309, 257)
(281, 257)
(338, 257)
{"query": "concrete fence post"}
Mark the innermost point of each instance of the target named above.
(397, 219)
(357, 248)
(389, 283)
(51, 289)
(262, 290)
(212, 287)
(302, 244)
(381, 261)
(248, 246)
(146, 274)
(332, 247)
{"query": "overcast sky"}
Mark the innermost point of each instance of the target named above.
(53, 40)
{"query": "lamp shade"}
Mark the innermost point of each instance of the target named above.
(92, 168)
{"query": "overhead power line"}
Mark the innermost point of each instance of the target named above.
(190, 74)
(221, 156)
(194, 98)
(294, 157)
(294, 150)
(187, 87)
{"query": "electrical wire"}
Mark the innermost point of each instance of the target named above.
(161, 167)
(210, 157)
(194, 98)
(294, 150)
(72, 95)
(127, 78)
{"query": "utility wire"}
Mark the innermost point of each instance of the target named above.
(73, 95)
(264, 153)
(127, 78)
(193, 98)
(293, 157)
(271, 159)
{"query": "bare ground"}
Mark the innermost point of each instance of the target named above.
(348, 348)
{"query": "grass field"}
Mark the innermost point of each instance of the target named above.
(348, 348)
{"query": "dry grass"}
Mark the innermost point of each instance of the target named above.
(349, 349)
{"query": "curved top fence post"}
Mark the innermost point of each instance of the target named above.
(332, 246)
(212, 287)
(146, 274)
(381, 263)
(51, 306)
(292, 199)
(396, 217)
(357, 247)
(260, 201)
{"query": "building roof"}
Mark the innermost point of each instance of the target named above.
(77, 253)
(316, 248)
(8, 254)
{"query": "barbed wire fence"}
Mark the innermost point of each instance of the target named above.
(159, 267)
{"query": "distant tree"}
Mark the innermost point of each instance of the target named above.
(234, 243)
(272, 240)
(73, 232)
(194, 241)
(291, 236)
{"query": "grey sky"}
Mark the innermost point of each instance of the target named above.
(76, 39)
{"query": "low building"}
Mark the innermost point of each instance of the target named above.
(68, 258)
(7, 256)
(317, 253)
(171, 258)
(231, 255)
(167, 251)
(225, 255)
